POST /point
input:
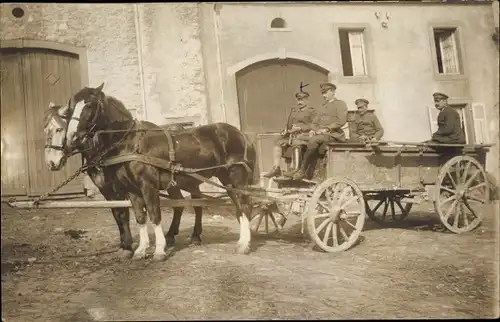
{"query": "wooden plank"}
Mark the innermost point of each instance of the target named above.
(14, 167)
(119, 204)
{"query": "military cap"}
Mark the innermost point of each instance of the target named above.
(300, 95)
(327, 86)
(361, 102)
(440, 95)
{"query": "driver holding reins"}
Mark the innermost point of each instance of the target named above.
(299, 124)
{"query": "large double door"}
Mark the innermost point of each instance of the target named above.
(30, 79)
(266, 94)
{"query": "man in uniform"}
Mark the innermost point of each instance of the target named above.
(299, 123)
(327, 127)
(449, 123)
(366, 126)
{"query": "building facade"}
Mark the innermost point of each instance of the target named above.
(241, 63)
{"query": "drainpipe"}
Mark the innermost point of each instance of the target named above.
(139, 58)
(219, 61)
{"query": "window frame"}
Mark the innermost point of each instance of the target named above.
(459, 47)
(368, 52)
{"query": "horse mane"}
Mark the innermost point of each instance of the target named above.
(49, 114)
(116, 110)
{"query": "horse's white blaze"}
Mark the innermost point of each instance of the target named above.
(160, 240)
(244, 241)
(143, 240)
(73, 124)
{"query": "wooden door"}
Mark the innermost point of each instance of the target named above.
(49, 76)
(39, 77)
(266, 94)
(15, 178)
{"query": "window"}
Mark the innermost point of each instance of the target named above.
(447, 53)
(278, 23)
(472, 120)
(352, 50)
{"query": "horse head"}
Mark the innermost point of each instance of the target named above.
(86, 105)
(56, 121)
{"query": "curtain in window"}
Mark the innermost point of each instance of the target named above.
(448, 52)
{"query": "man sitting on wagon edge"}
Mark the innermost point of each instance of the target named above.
(449, 123)
(366, 126)
(298, 123)
(327, 127)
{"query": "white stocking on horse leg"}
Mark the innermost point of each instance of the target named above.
(244, 241)
(160, 244)
(140, 252)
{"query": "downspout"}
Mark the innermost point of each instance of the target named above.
(139, 58)
(219, 62)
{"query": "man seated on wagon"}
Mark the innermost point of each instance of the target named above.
(299, 124)
(449, 123)
(327, 127)
(366, 126)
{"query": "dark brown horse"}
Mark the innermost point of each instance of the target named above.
(219, 150)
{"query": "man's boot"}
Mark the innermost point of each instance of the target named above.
(276, 170)
(308, 157)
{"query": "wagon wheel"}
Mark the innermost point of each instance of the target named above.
(461, 190)
(335, 215)
(392, 210)
(267, 220)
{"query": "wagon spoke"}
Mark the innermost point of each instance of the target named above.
(482, 184)
(342, 195)
(450, 210)
(334, 235)
(400, 205)
(448, 189)
(274, 221)
(343, 233)
(386, 206)
(327, 233)
(447, 200)
(267, 222)
(451, 178)
(469, 181)
(351, 215)
(324, 206)
(466, 220)
(470, 209)
(458, 176)
(378, 205)
(466, 170)
(348, 202)
(323, 215)
(393, 211)
(322, 225)
(350, 224)
(476, 199)
(261, 216)
(457, 216)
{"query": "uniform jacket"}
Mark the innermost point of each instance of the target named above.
(302, 118)
(449, 127)
(368, 125)
(332, 115)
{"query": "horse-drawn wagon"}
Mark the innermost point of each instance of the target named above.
(334, 200)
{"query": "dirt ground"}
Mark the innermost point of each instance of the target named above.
(59, 265)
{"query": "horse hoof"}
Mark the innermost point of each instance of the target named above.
(170, 242)
(195, 242)
(159, 257)
(139, 256)
(125, 253)
(241, 249)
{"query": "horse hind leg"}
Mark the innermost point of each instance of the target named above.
(237, 179)
(138, 204)
(174, 193)
(152, 199)
(198, 214)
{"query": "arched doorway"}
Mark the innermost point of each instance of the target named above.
(31, 78)
(266, 94)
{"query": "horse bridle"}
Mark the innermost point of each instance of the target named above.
(63, 122)
(90, 133)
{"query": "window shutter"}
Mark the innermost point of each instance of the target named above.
(433, 116)
(480, 125)
(357, 53)
(448, 52)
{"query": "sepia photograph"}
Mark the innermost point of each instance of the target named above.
(279, 160)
